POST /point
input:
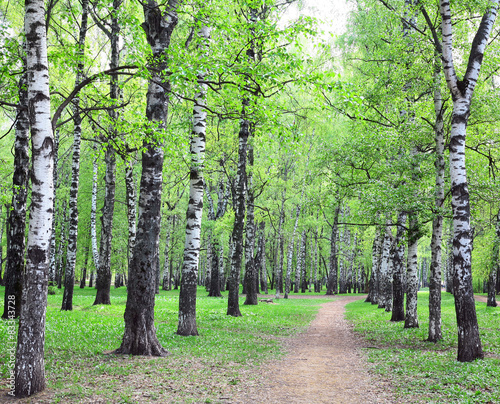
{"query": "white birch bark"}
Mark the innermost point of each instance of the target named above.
(187, 297)
(29, 368)
(435, 333)
(384, 283)
(469, 343)
(411, 320)
(69, 278)
(290, 254)
(130, 186)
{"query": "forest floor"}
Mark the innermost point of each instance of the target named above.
(325, 364)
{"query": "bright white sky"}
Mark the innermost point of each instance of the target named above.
(332, 13)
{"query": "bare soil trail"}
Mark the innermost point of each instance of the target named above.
(324, 365)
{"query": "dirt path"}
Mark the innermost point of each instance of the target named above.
(324, 365)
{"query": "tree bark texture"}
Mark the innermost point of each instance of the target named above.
(103, 282)
(435, 333)
(250, 268)
(397, 259)
(385, 279)
(29, 368)
(189, 277)
(290, 253)
(261, 257)
(233, 306)
(16, 222)
(492, 279)
(140, 333)
(69, 277)
(411, 320)
(469, 343)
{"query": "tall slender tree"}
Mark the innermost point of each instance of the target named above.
(469, 342)
(30, 369)
(140, 337)
(187, 296)
(69, 277)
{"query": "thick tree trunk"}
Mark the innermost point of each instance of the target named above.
(29, 369)
(437, 224)
(16, 222)
(187, 296)
(469, 343)
(140, 334)
(69, 277)
(397, 258)
(411, 320)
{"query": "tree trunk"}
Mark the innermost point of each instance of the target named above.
(385, 279)
(290, 253)
(233, 306)
(397, 258)
(16, 222)
(373, 294)
(491, 302)
(69, 277)
(103, 281)
(469, 342)
(187, 296)
(167, 284)
(281, 241)
(140, 333)
(437, 224)
(262, 254)
(83, 280)
(250, 271)
(131, 207)
(332, 288)
(411, 320)
(29, 369)
(302, 257)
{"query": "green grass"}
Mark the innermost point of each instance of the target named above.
(430, 371)
(199, 369)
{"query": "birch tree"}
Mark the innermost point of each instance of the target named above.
(14, 267)
(187, 296)
(29, 368)
(469, 342)
(140, 333)
(69, 278)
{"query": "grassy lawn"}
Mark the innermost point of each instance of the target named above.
(203, 369)
(426, 370)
